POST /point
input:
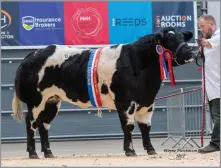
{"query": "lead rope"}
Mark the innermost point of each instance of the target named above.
(204, 93)
(204, 105)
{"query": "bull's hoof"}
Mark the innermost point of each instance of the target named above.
(130, 152)
(33, 156)
(152, 152)
(49, 155)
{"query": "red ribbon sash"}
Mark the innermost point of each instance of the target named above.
(95, 82)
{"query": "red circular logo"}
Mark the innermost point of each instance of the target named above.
(86, 22)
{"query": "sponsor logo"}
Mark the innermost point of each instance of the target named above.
(28, 22)
(31, 22)
(6, 21)
(129, 22)
(172, 20)
(86, 22)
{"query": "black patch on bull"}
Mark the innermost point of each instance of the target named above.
(150, 109)
(104, 89)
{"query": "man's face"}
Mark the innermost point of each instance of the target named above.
(206, 28)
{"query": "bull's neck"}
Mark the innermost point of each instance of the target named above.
(147, 55)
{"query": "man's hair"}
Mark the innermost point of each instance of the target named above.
(207, 17)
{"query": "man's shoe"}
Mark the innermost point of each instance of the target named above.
(208, 149)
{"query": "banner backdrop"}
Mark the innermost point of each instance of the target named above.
(129, 20)
(41, 23)
(9, 24)
(179, 15)
(90, 23)
(86, 23)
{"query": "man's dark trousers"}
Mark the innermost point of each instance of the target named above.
(214, 106)
(214, 144)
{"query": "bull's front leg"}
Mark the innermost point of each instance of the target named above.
(143, 117)
(127, 121)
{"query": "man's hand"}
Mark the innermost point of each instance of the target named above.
(205, 43)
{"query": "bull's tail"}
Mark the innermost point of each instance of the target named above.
(17, 108)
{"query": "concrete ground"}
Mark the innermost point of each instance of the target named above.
(14, 154)
(91, 147)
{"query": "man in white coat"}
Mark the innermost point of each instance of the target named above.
(211, 43)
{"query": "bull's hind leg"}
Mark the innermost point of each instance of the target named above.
(31, 132)
(143, 117)
(32, 122)
(128, 124)
(51, 108)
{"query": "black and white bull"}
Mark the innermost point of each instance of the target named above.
(128, 80)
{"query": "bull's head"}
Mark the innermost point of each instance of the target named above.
(176, 42)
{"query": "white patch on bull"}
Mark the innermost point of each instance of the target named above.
(34, 130)
(49, 92)
(130, 117)
(58, 57)
(106, 69)
(47, 126)
(143, 116)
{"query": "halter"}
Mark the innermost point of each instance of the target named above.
(201, 52)
(179, 47)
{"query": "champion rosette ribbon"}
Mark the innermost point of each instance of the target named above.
(165, 54)
(163, 68)
(169, 57)
(92, 82)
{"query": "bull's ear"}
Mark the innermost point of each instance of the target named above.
(159, 37)
(188, 35)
